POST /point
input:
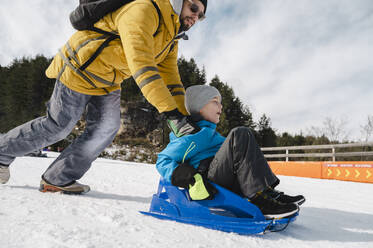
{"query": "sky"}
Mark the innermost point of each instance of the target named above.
(299, 62)
(108, 216)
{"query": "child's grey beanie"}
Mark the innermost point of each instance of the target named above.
(197, 96)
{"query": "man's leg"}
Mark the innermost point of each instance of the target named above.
(102, 124)
(63, 111)
(240, 166)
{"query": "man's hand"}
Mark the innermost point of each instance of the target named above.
(180, 124)
(187, 177)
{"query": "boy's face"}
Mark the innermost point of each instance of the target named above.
(212, 110)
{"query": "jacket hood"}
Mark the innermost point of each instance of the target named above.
(177, 5)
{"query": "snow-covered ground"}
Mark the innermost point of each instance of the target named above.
(336, 214)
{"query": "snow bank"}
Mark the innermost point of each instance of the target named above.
(336, 214)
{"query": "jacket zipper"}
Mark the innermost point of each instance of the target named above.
(165, 48)
(178, 36)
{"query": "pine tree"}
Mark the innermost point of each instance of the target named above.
(189, 72)
(130, 91)
(3, 76)
(25, 90)
(234, 113)
(266, 136)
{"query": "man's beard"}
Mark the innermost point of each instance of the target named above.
(183, 27)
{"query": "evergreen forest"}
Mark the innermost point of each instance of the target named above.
(26, 90)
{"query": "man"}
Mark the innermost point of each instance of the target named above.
(147, 50)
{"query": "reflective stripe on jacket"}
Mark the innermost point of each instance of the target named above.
(151, 60)
(189, 148)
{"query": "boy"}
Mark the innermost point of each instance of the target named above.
(235, 162)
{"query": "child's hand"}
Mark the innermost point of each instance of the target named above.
(186, 176)
(201, 189)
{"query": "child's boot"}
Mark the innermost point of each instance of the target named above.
(273, 209)
(284, 198)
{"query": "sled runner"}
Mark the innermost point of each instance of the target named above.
(227, 212)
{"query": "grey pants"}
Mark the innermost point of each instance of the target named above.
(240, 166)
(64, 110)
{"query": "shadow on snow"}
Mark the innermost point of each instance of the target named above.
(322, 224)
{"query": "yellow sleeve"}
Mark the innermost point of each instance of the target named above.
(136, 27)
(169, 72)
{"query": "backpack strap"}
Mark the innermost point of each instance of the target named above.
(99, 50)
(111, 37)
(159, 17)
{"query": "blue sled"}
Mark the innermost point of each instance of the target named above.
(227, 212)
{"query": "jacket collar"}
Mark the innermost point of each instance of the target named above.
(170, 17)
(201, 124)
(204, 123)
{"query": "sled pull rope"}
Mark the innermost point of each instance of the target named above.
(190, 148)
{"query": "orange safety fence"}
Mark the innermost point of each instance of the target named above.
(356, 171)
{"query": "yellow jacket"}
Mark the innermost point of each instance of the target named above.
(151, 60)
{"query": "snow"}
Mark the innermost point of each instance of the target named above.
(336, 213)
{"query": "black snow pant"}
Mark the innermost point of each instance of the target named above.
(240, 166)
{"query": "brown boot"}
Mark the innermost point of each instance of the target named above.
(74, 188)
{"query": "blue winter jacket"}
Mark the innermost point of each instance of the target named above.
(189, 148)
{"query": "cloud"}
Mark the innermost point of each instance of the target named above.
(296, 61)
(33, 27)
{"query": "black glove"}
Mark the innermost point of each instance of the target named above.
(180, 124)
(187, 177)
